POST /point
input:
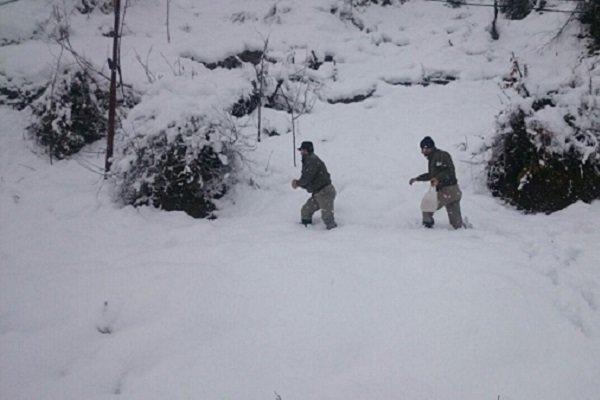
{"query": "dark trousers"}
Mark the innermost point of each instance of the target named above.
(449, 197)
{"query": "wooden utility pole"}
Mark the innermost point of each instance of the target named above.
(114, 65)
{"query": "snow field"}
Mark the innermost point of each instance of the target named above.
(254, 303)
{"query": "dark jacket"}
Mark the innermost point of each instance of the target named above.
(314, 174)
(440, 166)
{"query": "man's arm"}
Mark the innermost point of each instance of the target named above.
(421, 178)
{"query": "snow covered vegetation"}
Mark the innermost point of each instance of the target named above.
(69, 114)
(182, 271)
(546, 154)
(181, 167)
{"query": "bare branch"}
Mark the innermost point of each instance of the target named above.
(149, 75)
(260, 77)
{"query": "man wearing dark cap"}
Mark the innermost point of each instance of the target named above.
(316, 180)
(442, 176)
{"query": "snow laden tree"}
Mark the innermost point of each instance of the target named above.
(70, 113)
(546, 152)
(516, 9)
(589, 15)
(88, 6)
(184, 166)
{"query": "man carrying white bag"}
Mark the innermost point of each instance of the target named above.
(444, 190)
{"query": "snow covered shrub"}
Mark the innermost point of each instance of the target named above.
(184, 166)
(315, 61)
(516, 9)
(247, 103)
(18, 93)
(590, 15)
(345, 12)
(69, 114)
(544, 157)
(295, 92)
(363, 3)
(455, 3)
(229, 62)
(516, 77)
(88, 6)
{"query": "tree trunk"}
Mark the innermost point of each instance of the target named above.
(294, 135)
(168, 24)
(494, 32)
(259, 114)
(112, 101)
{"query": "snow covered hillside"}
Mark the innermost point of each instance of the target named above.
(100, 300)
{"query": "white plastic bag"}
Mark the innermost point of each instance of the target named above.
(430, 201)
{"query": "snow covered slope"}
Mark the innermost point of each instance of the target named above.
(99, 301)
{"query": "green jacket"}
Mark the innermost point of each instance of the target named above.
(440, 166)
(314, 174)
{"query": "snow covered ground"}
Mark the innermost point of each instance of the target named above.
(253, 305)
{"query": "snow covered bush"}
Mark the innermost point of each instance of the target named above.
(516, 9)
(590, 16)
(184, 166)
(70, 113)
(88, 6)
(180, 148)
(18, 93)
(362, 3)
(247, 103)
(546, 155)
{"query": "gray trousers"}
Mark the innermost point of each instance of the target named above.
(322, 200)
(448, 197)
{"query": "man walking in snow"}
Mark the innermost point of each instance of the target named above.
(442, 176)
(316, 180)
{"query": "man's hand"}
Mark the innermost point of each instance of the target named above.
(411, 181)
(294, 183)
(434, 182)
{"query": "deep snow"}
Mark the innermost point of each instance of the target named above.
(253, 303)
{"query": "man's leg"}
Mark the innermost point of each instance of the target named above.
(443, 199)
(326, 198)
(454, 215)
(428, 220)
(308, 209)
(453, 195)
